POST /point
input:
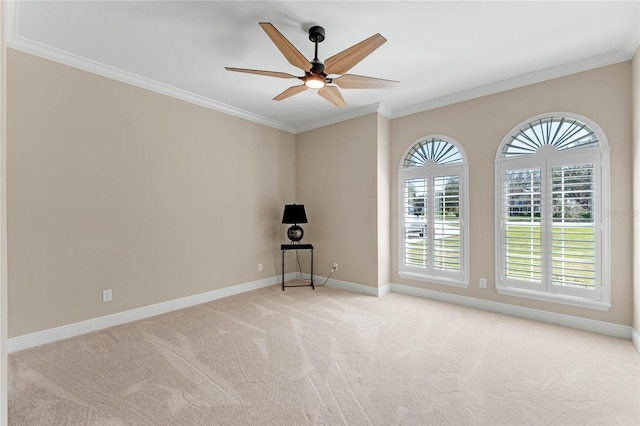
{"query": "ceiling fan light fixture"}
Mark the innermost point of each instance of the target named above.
(314, 82)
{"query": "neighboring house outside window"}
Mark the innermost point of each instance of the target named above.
(433, 215)
(552, 192)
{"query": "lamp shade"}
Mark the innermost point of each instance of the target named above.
(294, 213)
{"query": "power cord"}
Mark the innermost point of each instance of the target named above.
(325, 281)
(302, 276)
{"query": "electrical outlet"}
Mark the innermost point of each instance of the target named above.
(483, 283)
(335, 266)
(259, 267)
(106, 295)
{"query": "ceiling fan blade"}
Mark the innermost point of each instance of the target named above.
(342, 62)
(292, 54)
(332, 94)
(293, 90)
(352, 81)
(260, 72)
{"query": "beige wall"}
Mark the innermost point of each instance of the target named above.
(337, 182)
(636, 189)
(115, 187)
(479, 125)
(112, 186)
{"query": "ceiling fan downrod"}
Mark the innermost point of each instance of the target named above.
(316, 35)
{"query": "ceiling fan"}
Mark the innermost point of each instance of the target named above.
(316, 73)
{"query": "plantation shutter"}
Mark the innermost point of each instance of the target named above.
(522, 232)
(446, 223)
(432, 223)
(416, 247)
(573, 230)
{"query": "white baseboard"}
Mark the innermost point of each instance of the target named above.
(71, 330)
(354, 288)
(385, 289)
(585, 324)
(635, 338)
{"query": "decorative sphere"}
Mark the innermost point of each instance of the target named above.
(295, 233)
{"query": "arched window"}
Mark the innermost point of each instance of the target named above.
(433, 215)
(552, 174)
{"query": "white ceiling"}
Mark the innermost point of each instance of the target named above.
(440, 51)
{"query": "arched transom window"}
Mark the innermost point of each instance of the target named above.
(551, 231)
(434, 149)
(560, 132)
(433, 217)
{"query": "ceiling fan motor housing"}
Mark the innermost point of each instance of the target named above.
(317, 67)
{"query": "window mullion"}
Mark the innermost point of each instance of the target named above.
(430, 223)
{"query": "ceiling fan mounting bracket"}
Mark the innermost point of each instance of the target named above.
(316, 34)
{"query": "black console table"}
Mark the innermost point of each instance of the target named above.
(285, 248)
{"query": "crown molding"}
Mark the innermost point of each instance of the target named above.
(103, 70)
(14, 41)
(520, 81)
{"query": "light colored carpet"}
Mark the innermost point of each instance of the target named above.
(327, 357)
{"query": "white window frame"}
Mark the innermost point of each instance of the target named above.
(545, 158)
(429, 171)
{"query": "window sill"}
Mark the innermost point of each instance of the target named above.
(433, 280)
(554, 298)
